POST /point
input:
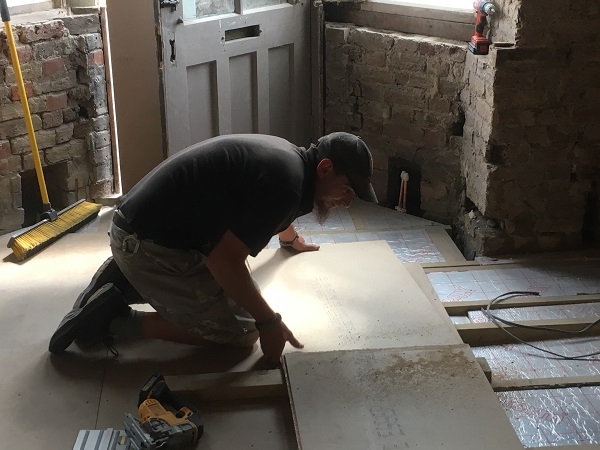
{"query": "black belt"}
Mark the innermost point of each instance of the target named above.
(120, 221)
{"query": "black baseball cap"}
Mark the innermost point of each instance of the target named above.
(350, 156)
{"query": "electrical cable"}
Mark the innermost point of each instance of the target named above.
(498, 321)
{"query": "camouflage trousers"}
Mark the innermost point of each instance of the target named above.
(179, 286)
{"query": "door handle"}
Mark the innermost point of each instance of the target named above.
(172, 43)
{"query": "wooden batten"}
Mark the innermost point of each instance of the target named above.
(463, 307)
(487, 333)
(261, 384)
(524, 384)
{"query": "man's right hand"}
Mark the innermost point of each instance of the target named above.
(273, 339)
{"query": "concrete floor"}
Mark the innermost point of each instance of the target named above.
(47, 398)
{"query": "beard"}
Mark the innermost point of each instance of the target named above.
(322, 211)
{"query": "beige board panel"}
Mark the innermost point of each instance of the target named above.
(434, 397)
(350, 296)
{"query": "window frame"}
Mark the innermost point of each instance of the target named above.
(404, 16)
(414, 9)
(31, 6)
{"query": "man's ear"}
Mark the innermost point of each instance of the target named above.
(324, 167)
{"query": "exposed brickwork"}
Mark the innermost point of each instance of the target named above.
(532, 157)
(62, 63)
(53, 66)
(522, 121)
(56, 101)
(24, 53)
(400, 93)
(15, 96)
(5, 151)
(41, 32)
(96, 58)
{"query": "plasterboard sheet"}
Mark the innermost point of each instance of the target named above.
(350, 296)
(434, 397)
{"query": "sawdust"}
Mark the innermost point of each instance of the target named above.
(441, 364)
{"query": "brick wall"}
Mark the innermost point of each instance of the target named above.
(512, 136)
(400, 93)
(532, 146)
(62, 63)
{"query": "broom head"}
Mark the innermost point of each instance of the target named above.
(35, 238)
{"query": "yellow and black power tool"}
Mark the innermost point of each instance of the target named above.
(164, 422)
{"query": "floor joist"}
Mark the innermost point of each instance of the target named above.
(463, 307)
(514, 263)
(544, 383)
(487, 333)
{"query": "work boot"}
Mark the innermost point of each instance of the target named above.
(90, 322)
(108, 272)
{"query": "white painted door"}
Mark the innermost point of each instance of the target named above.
(236, 66)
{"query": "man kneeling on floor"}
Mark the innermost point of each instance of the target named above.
(180, 239)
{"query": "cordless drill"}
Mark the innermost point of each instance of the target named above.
(165, 422)
(170, 421)
(479, 44)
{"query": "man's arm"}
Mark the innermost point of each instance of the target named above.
(227, 264)
(290, 238)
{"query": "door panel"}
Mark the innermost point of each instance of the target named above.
(280, 82)
(203, 100)
(242, 82)
(237, 73)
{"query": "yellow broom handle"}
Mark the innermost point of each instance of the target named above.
(24, 104)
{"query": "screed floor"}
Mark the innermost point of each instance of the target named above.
(47, 398)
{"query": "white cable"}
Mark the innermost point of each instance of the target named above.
(498, 321)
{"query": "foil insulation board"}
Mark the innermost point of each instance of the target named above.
(411, 238)
(548, 416)
(545, 417)
(488, 283)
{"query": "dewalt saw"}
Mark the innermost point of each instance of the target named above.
(164, 422)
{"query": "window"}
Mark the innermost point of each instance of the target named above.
(462, 5)
(450, 19)
(27, 6)
(11, 3)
